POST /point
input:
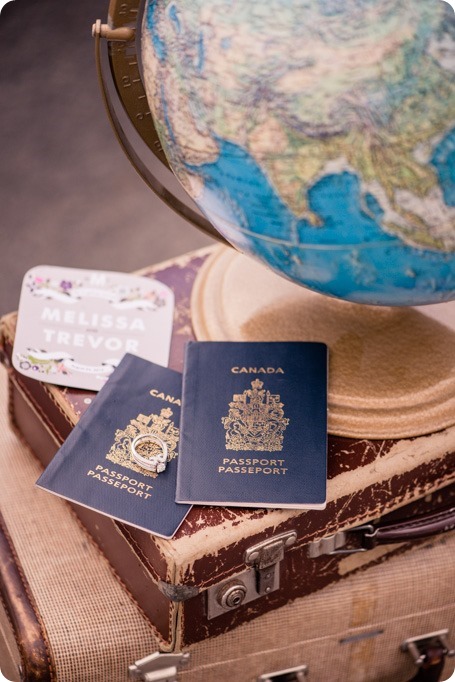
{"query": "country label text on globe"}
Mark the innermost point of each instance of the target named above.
(318, 136)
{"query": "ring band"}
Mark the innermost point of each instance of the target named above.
(157, 463)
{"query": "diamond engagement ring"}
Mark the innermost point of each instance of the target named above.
(155, 463)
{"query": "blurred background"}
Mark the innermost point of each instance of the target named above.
(68, 195)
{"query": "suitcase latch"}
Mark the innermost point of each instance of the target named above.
(157, 667)
(261, 577)
(429, 649)
(265, 557)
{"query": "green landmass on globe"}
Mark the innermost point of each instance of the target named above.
(316, 135)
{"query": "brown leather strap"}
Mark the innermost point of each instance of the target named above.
(412, 529)
(29, 631)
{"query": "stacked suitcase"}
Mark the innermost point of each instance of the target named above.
(179, 596)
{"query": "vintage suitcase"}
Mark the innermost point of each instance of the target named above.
(65, 617)
(225, 566)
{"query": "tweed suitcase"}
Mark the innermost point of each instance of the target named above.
(207, 579)
(65, 617)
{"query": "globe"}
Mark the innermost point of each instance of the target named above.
(317, 136)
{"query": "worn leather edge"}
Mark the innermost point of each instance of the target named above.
(28, 628)
(10, 656)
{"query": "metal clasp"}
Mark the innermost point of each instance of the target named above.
(336, 543)
(418, 646)
(266, 556)
(261, 577)
(157, 667)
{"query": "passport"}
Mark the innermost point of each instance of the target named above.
(254, 425)
(95, 467)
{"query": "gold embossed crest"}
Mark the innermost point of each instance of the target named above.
(256, 420)
(161, 425)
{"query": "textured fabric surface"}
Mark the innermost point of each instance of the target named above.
(94, 629)
(349, 631)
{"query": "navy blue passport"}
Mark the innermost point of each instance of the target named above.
(254, 425)
(94, 467)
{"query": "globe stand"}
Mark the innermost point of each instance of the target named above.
(392, 370)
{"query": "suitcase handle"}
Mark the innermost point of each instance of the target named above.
(423, 526)
(368, 536)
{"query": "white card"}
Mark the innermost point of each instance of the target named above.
(74, 326)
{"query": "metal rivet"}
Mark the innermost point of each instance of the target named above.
(290, 540)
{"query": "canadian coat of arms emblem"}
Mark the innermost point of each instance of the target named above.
(255, 421)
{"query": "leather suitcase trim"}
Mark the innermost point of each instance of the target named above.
(177, 593)
(28, 628)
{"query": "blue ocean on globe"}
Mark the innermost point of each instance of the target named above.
(317, 137)
(398, 271)
(443, 160)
